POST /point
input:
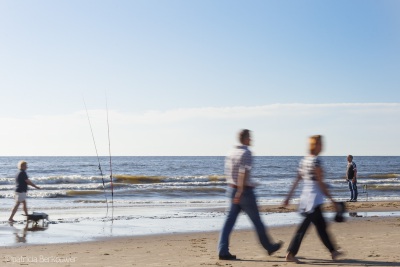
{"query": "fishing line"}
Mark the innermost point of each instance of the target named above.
(97, 154)
(109, 152)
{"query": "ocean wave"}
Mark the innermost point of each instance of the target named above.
(138, 179)
(116, 186)
(7, 181)
(36, 194)
(194, 190)
(7, 187)
(89, 201)
(70, 179)
(383, 176)
(83, 192)
(64, 180)
(176, 191)
(57, 194)
(384, 187)
(143, 179)
(97, 192)
(216, 178)
(50, 187)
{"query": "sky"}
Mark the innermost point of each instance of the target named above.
(181, 78)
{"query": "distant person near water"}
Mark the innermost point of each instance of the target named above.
(351, 178)
(241, 193)
(22, 181)
(311, 199)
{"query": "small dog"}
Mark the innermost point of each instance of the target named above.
(36, 216)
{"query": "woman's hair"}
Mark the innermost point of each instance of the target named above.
(20, 163)
(314, 140)
(243, 134)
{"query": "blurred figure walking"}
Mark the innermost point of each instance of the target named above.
(312, 197)
(241, 193)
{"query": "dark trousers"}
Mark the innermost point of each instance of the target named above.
(318, 220)
(248, 204)
(353, 190)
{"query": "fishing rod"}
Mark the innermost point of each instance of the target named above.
(97, 154)
(109, 152)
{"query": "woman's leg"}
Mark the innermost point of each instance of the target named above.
(298, 237)
(319, 222)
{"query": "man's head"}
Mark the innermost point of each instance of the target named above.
(349, 158)
(244, 137)
(22, 165)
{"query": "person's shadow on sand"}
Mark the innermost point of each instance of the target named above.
(351, 262)
(320, 262)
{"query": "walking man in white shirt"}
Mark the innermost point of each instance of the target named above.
(241, 192)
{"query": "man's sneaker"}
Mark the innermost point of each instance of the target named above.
(275, 247)
(227, 257)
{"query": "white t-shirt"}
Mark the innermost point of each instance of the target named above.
(311, 195)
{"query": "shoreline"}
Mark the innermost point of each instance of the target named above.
(82, 225)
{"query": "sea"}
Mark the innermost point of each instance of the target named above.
(78, 181)
(87, 198)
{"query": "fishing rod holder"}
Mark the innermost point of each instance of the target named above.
(365, 190)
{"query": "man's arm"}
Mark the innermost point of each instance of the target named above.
(355, 173)
(244, 175)
(355, 176)
(29, 182)
(319, 174)
(241, 182)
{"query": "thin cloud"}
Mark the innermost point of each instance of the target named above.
(243, 112)
(211, 113)
(158, 131)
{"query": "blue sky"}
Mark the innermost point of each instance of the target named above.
(182, 77)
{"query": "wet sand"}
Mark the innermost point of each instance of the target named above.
(366, 240)
(362, 206)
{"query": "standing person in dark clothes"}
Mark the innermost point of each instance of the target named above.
(241, 193)
(311, 199)
(351, 178)
(22, 182)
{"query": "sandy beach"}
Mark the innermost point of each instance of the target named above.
(365, 240)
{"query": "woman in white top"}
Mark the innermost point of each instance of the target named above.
(312, 197)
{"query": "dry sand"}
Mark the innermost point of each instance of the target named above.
(367, 241)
